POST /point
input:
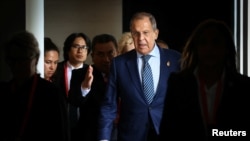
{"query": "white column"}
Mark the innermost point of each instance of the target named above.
(248, 39)
(241, 37)
(35, 24)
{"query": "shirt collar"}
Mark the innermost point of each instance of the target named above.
(154, 52)
(72, 67)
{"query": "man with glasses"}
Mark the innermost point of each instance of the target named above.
(75, 51)
(88, 85)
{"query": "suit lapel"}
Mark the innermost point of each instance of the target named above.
(165, 64)
(132, 67)
(164, 72)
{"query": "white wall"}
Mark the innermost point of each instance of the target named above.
(62, 17)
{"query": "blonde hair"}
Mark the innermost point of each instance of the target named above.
(125, 40)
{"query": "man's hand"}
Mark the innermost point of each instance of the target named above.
(87, 82)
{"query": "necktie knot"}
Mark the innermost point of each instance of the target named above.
(146, 58)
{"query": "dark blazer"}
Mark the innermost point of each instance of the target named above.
(135, 113)
(182, 112)
(89, 105)
(59, 77)
(47, 117)
(59, 80)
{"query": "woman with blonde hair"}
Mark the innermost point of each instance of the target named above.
(125, 43)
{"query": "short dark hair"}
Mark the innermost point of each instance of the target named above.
(104, 38)
(70, 39)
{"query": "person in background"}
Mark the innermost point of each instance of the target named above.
(162, 43)
(76, 48)
(88, 85)
(31, 107)
(208, 95)
(139, 117)
(51, 58)
(125, 43)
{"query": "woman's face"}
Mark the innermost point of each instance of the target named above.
(211, 47)
(51, 59)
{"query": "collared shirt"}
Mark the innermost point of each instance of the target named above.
(69, 71)
(154, 63)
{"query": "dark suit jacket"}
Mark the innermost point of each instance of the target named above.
(182, 112)
(135, 113)
(59, 80)
(89, 105)
(47, 118)
(59, 77)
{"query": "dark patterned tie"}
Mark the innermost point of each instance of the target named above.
(147, 79)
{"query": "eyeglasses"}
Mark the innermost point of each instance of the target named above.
(78, 47)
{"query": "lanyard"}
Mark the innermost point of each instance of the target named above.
(30, 102)
(205, 100)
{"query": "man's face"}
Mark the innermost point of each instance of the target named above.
(103, 55)
(77, 53)
(144, 35)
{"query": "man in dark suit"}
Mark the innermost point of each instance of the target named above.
(88, 85)
(139, 119)
(75, 50)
